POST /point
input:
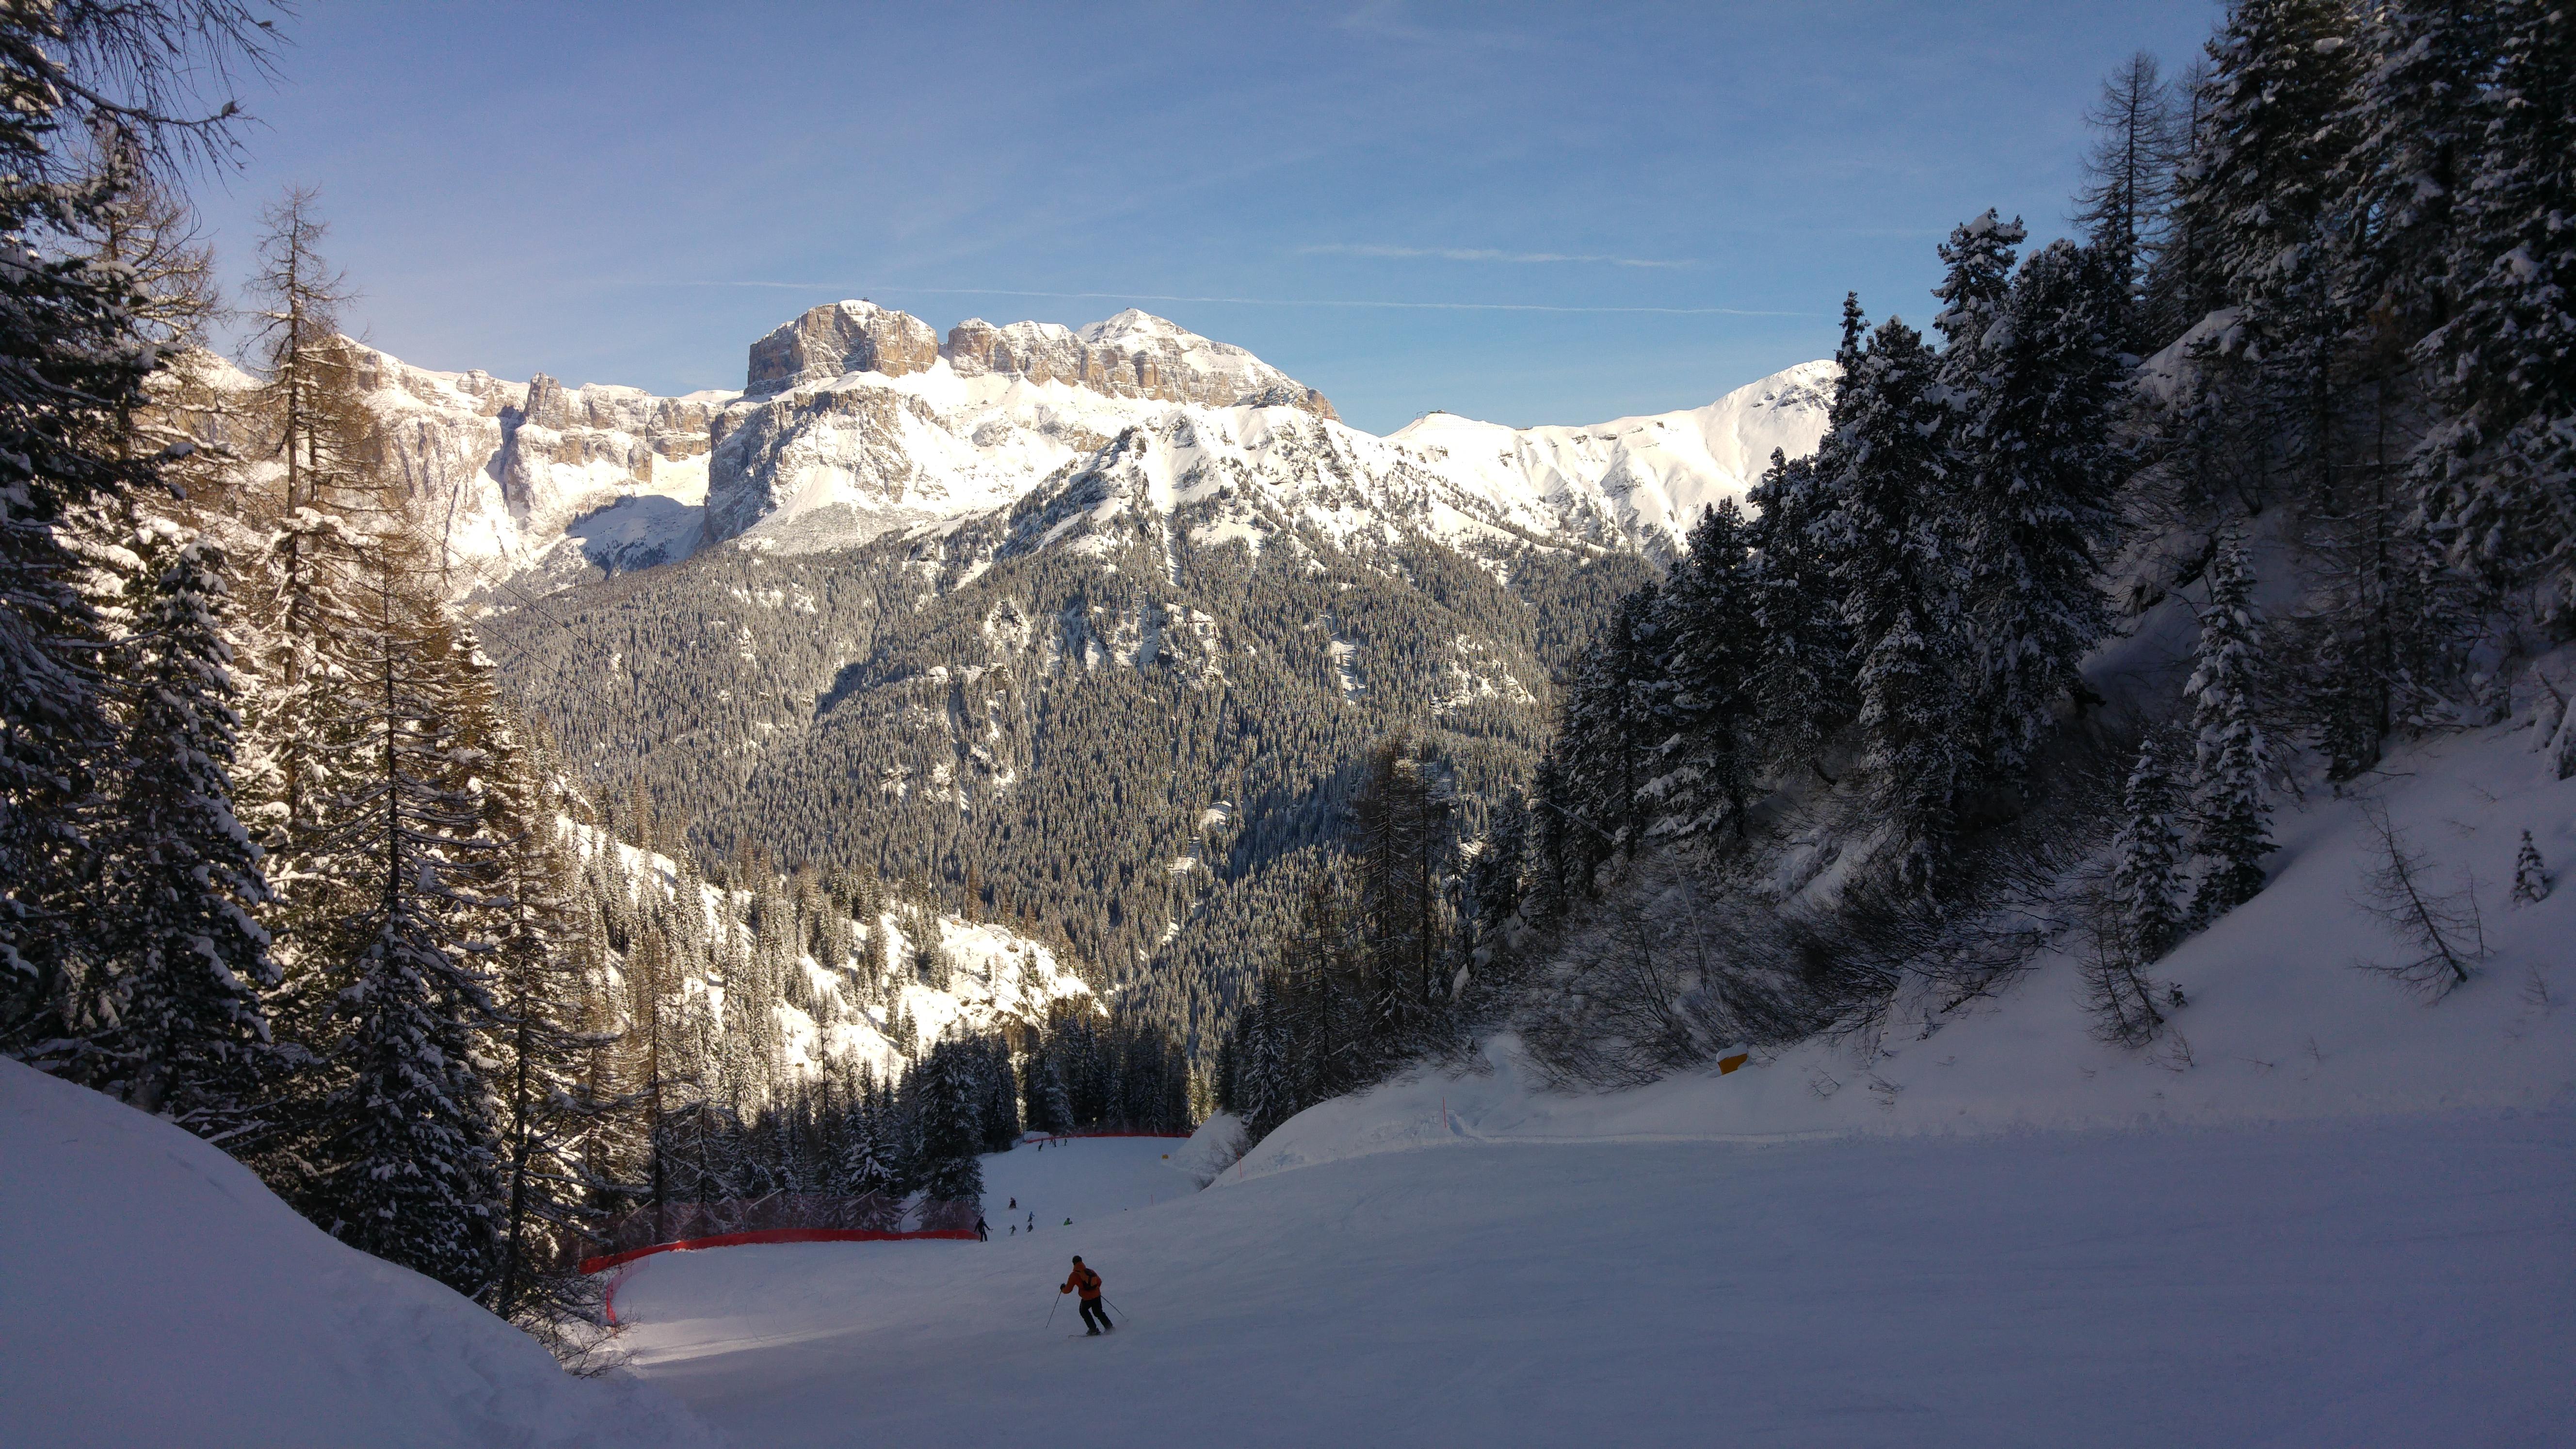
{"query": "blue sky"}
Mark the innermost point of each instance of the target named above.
(1555, 213)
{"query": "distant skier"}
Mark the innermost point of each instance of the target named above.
(1089, 1282)
(983, 1234)
(1015, 1204)
(1033, 1220)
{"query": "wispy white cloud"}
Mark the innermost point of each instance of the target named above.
(839, 289)
(1485, 254)
(1392, 20)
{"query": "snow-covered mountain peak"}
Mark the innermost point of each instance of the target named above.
(859, 421)
(1637, 483)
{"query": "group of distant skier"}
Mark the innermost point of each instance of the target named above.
(984, 1230)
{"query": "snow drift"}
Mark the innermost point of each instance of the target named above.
(154, 1292)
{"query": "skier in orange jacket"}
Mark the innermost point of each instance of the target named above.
(1089, 1283)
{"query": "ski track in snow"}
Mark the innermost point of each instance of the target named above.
(2378, 1281)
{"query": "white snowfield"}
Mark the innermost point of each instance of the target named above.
(153, 1292)
(2325, 1215)
(865, 425)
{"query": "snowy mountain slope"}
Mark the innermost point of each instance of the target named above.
(1637, 483)
(909, 977)
(904, 440)
(2315, 1284)
(154, 1292)
(858, 421)
(987, 976)
(2282, 1023)
(529, 485)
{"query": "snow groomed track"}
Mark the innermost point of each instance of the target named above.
(2399, 1281)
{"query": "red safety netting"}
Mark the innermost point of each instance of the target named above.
(773, 1235)
(782, 1217)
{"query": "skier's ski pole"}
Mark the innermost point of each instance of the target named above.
(1059, 1298)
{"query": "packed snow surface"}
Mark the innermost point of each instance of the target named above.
(154, 1292)
(2340, 1283)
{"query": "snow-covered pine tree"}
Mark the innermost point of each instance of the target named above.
(1901, 598)
(1611, 712)
(2147, 886)
(406, 1159)
(1978, 257)
(2271, 135)
(2416, 129)
(651, 1071)
(1491, 891)
(329, 510)
(1548, 885)
(1404, 852)
(2232, 832)
(1050, 1105)
(2042, 466)
(76, 369)
(541, 963)
(1712, 648)
(185, 960)
(1269, 1089)
(2530, 874)
(1806, 663)
(952, 1132)
(701, 1147)
(2499, 474)
(1000, 1109)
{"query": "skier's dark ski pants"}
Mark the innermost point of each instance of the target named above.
(1095, 1315)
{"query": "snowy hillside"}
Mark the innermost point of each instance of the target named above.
(156, 1293)
(858, 421)
(905, 979)
(2282, 1023)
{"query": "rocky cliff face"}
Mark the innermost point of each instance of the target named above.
(845, 337)
(1134, 354)
(529, 485)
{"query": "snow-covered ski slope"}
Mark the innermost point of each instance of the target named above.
(2325, 1214)
(2391, 1282)
(153, 1292)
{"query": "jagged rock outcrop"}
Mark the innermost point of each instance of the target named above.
(1134, 354)
(845, 337)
